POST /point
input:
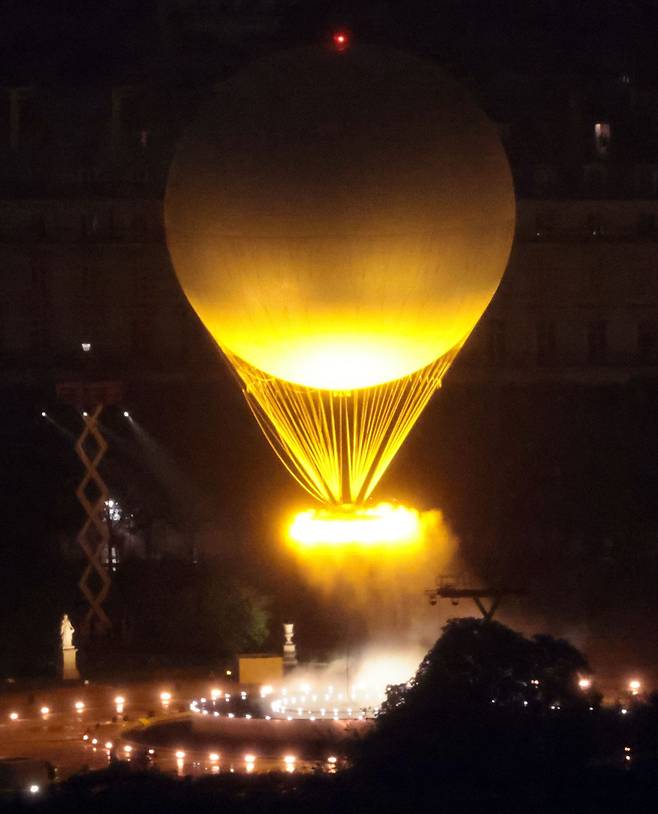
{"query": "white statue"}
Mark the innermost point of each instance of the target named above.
(66, 631)
(68, 668)
(289, 648)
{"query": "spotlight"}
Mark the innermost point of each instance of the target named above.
(13, 716)
(35, 789)
(79, 705)
(180, 754)
(44, 710)
(86, 347)
(126, 414)
(44, 414)
(85, 413)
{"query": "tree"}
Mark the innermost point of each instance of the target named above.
(487, 705)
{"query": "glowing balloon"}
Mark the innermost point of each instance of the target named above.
(340, 221)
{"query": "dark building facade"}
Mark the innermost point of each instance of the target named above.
(83, 261)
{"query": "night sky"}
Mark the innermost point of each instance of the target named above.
(79, 41)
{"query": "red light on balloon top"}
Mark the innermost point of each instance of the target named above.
(341, 40)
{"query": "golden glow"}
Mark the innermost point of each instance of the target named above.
(336, 351)
(339, 444)
(381, 584)
(386, 526)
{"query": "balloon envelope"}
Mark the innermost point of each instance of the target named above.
(340, 220)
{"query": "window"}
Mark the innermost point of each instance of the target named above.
(546, 343)
(646, 225)
(544, 180)
(647, 342)
(646, 179)
(597, 342)
(602, 137)
(541, 227)
(596, 179)
(595, 224)
(496, 342)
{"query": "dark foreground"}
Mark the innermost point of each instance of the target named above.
(123, 791)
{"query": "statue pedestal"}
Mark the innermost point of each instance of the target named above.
(289, 648)
(69, 666)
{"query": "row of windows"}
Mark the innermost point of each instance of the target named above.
(592, 180)
(103, 225)
(495, 348)
(596, 224)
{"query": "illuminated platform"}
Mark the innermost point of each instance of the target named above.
(195, 744)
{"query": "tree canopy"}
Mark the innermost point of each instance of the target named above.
(487, 702)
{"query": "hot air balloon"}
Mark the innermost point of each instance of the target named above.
(340, 221)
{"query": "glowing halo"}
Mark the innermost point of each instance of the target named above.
(386, 525)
